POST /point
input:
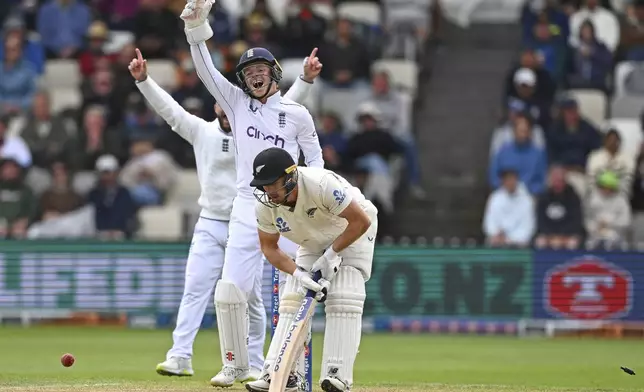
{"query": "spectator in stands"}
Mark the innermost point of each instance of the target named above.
(525, 82)
(49, 137)
(608, 214)
(156, 29)
(611, 158)
(590, 61)
(509, 214)
(369, 151)
(545, 86)
(305, 29)
(191, 87)
(529, 161)
(333, 141)
(605, 22)
(560, 219)
(62, 25)
(115, 210)
(257, 36)
(140, 120)
(557, 18)
(17, 79)
(100, 90)
(149, 174)
(13, 146)
(222, 24)
(17, 202)
(505, 133)
(94, 56)
(346, 61)
(637, 199)
(260, 15)
(119, 14)
(122, 80)
(32, 49)
(549, 47)
(395, 115)
(60, 198)
(95, 140)
(570, 141)
(632, 33)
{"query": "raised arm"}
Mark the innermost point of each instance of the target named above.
(183, 123)
(198, 31)
(307, 139)
(302, 86)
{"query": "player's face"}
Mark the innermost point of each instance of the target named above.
(258, 78)
(276, 191)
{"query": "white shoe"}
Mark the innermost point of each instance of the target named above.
(176, 366)
(228, 375)
(264, 383)
(332, 384)
(253, 375)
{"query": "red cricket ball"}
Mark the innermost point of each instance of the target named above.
(67, 360)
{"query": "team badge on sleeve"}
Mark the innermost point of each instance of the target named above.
(339, 196)
(282, 225)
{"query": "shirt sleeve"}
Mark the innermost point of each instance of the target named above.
(225, 93)
(264, 219)
(308, 141)
(299, 90)
(334, 195)
(183, 123)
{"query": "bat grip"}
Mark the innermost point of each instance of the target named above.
(317, 275)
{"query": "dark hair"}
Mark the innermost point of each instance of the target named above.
(508, 171)
(590, 24)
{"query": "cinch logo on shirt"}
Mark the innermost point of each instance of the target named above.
(256, 134)
(282, 225)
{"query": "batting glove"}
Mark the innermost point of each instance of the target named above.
(328, 264)
(306, 282)
(195, 16)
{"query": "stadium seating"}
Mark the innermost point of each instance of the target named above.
(164, 72)
(362, 12)
(627, 107)
(186, 190)
(403, 73)
(161, 223)
(63, 98)
(62, 74)
(592, 105)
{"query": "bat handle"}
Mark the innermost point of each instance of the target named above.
(317, 275)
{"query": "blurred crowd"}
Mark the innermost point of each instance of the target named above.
(566, 165)
(77, 136)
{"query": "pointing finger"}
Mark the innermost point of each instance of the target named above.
(314, 52)
(138, 54)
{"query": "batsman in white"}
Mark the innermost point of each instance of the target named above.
(335, 227)
(215, 160)
(260, 118)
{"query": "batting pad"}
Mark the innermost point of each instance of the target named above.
(344, 306)
(232, 321)
(289, 305)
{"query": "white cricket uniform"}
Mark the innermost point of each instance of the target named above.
(314, 224)
(215, 161)
(255, 126)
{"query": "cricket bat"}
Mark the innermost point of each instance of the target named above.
(294, 341)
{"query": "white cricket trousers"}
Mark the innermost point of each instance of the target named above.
(203, 270)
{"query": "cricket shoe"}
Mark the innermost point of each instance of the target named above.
(262, 384)
(228, 375)
(176, 366)
(332, 384)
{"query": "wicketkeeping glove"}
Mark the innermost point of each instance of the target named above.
(195, 16)
(328, 264)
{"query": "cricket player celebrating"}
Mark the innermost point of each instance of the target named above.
(335, 227)
(260, 118)
(215, 159)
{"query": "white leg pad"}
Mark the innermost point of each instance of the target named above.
(231, 306)
(290, 302)
(344, 306)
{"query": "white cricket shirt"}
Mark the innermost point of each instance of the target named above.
(314, 222)
(255, 126)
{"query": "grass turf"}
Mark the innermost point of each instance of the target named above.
(115, 360)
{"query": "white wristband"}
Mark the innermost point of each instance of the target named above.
(330, 254)
(299, 274)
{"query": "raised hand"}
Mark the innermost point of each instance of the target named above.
(312, 66)
(196, 12)
(138, 67)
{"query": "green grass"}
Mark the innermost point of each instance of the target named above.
(110, 359)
